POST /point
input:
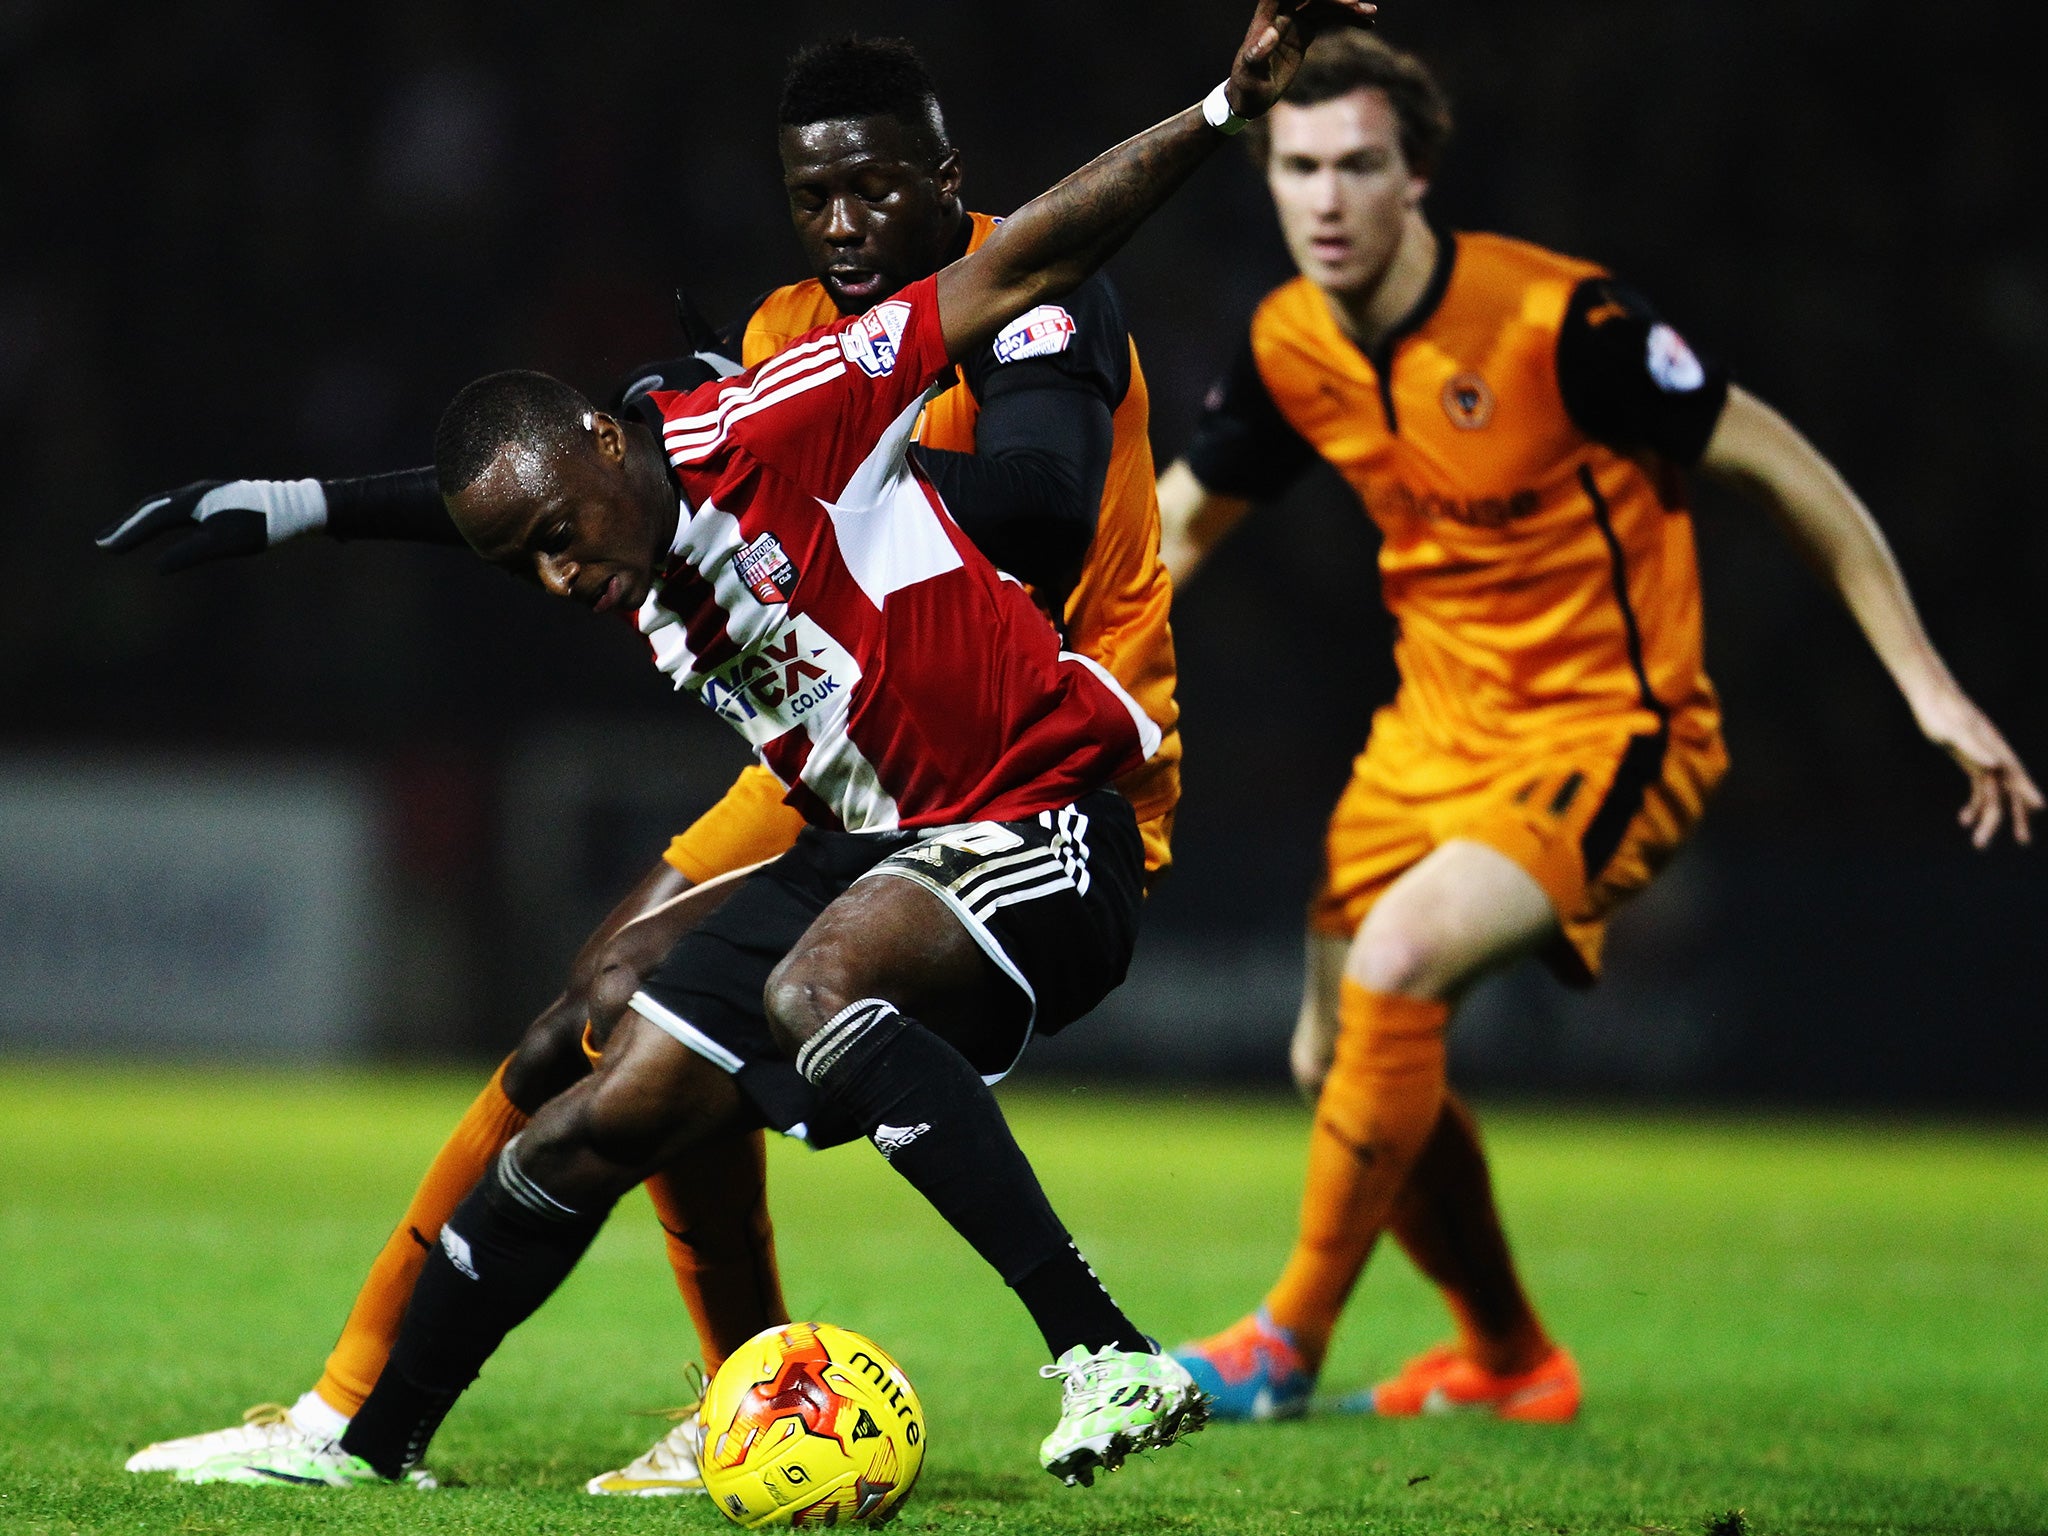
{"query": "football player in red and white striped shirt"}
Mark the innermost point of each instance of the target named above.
(964, 877)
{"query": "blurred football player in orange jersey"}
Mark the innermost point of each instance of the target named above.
(1516, 423)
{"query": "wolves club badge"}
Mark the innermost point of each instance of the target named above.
(1468, 402)
(767, 572)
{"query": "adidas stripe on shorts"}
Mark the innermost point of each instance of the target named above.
(1051, 899)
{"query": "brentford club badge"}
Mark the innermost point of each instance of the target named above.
(1468, 402)
(767, 572)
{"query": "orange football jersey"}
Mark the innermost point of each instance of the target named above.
(1543, 577)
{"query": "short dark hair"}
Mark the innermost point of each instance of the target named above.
(1348, 60)
(854, 76)
(516, 406)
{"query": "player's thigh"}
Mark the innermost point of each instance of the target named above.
(649, 1101)
(985, 933)
(629, 956)
(887, 939)
(1462, 911)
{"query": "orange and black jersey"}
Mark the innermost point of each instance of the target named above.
(1517, 439)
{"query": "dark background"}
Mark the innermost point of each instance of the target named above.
(244, 239)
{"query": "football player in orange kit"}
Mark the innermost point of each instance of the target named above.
(1042, 453)
(1516, 423)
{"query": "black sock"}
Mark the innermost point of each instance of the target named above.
(933, 1118)
(503, 1253)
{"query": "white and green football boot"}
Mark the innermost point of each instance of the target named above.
(1116, 1403)
(266, 1428)
(299, 1466)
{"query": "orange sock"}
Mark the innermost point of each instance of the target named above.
(721, 1244)
(372, 1327)
(1445, 1219)
(1378, 1107)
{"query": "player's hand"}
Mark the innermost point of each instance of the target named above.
(1279, 35)
(219, 520)
(2000, 787)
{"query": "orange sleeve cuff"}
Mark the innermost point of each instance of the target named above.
(748, 825)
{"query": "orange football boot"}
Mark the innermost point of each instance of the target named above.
(1441, 1380)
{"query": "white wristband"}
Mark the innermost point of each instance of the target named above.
(1217, 114)
(289, 507)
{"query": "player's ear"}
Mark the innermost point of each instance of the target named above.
(1417, 190)
(606, 435)
(946, 177)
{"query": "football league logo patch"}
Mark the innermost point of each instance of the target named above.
(1039, 332)
(1468, 402)
(764, 569)
(870, 343)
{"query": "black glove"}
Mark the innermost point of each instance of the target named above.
(221, 518)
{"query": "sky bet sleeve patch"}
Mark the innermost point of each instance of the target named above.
(1039, 332)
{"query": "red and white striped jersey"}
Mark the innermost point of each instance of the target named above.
(819, 598)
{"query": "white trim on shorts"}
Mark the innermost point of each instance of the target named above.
(690, 1037)
(684, 1033)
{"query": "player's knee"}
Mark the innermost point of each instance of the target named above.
(615, 978)
(1396, 957)
(803, 991)
(548, 1058)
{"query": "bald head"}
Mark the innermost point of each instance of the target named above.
(512, 428)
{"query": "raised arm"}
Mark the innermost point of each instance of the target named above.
(1756, 449)
(1050, 245)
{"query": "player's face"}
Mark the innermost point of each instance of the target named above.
(588, 521)
(1342, 188)
(875, 206)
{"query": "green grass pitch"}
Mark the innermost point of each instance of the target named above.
(1834, 1327)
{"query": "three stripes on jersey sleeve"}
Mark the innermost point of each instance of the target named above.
(691, 439)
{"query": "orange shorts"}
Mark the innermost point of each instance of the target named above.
(1591, 820)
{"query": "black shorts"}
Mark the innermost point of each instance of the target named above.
(1052, 900)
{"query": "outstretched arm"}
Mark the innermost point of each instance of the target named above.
(1050, 245)
(1755, 448)
(222, 519)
